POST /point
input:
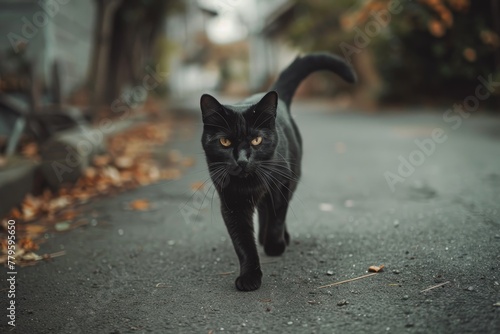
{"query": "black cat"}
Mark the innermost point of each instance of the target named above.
(253, 151)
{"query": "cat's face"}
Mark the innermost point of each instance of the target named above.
(236, 140)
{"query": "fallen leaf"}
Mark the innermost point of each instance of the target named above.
(30, 150)
(197, 185)
(16, 214)
(68, 215)
(170, 174)
(101, 160)
(32, 229)
(139, 205)
(124, 162)
(30, 256)
(376, 269)
(59, 203)
(90, 173)
(174, 156)
(28, 244)
(187, 162)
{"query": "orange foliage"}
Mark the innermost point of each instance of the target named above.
(437, 26)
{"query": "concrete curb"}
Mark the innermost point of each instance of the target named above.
(17, 179)
(64, 159)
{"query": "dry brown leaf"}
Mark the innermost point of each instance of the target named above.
(34, 230)
(124, 162)
(197, 185)
(28, 244)
(154, 173)
(29, 213)
(376, 269)
(68, 215)
(90, 173)
(16, 214)
(139, 205)
(30, 256)
(30, 150)
(59, 203)
(175, 156)
(188, 162)
(101, 160)
(171, 174)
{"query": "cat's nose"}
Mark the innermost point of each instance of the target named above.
(243, 164)
(242, 159)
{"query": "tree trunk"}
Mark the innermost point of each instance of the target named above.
(100, 60)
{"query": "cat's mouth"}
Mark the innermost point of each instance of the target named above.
(241, 172)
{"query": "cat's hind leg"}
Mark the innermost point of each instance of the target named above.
(276, 236)
(262, 209)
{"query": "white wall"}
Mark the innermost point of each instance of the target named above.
(63, 33)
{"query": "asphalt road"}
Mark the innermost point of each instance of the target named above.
(172, 269)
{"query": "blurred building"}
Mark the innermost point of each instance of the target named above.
(227, 45)
(50, 39)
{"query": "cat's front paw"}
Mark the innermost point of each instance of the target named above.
(249, 281)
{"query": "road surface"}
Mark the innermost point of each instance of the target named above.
(172, 269)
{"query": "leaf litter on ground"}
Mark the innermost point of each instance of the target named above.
(128, 164)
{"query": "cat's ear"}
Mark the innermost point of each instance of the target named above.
(265, 109)
(210, 107)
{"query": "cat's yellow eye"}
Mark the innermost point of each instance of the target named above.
(225, 142)
(256, 141)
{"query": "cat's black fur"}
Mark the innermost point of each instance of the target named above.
(262, 176)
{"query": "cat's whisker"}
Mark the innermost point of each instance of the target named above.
(265, 120)
(287, 200)
(274, 180)
(223, 118)
(216, 125)
(212, 206)
(192, 195)
(203, 200)
(282, 161)
(267, 186)
(274, 169)
(217, 163)
(217, 174)
(280, 164)
(291, 179)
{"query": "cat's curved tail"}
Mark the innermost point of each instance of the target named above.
(301, 67)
